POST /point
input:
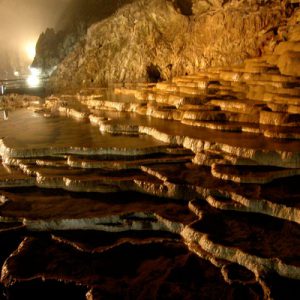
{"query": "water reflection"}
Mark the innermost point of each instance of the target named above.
(26, 129)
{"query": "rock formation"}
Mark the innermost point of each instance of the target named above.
(155, 40)
(195, 178)
(56, 43)
(186, 188)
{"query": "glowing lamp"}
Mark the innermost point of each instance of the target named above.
(34, 80)
(30, 50)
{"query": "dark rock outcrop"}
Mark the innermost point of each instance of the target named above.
(56, 43)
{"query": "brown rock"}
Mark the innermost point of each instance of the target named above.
(289, 63)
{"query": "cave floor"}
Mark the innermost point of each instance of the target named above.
(181, 190)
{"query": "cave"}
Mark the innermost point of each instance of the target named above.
(153, 73)
(179, 180)
(184, 6)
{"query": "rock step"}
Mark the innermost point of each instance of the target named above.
(89, 180)
(88, 207)
(251, 174)
(172, 256)
(232, 198)
(242, 106)
(235, 239)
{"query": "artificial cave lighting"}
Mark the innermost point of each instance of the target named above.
(33, 79)
(35, 71)
(150, 149)
(30, 50)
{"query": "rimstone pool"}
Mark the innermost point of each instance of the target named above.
(149, 192)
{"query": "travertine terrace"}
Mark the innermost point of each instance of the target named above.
(179, 189)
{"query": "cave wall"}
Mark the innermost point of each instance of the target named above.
(157, 39)
(56, 43)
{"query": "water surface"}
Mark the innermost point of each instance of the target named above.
(26, 129)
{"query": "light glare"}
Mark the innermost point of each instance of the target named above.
(33, 80)
(30, 50)
(35, 71)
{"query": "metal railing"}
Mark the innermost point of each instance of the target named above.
(20, 85)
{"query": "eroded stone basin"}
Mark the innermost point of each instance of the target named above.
(55, 205)
(254, 234)
(175, 128)
(26, 129)
(152, 270)
(144, 206)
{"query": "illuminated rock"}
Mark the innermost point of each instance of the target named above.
(219, 234)
(203, 167)
(167, 53)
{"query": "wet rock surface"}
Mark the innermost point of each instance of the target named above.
(159, 39)
(184, 189)
(155, 270)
